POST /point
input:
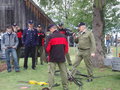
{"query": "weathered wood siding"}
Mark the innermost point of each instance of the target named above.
(12, 11)
(20, 12)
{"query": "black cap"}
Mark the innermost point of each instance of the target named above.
(14, 24)
(51, 25)
(39, 26)
(81, 24)
(60, 24)
(30, 22)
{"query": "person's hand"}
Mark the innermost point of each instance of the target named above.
(5, 48)
(47, 59)
(73, 34)
(92, 54)
(14, 47)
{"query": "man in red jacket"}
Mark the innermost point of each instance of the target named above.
(57, 47)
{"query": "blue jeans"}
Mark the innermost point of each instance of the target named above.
(108, 43)
(14, 54)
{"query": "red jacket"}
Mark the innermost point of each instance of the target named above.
(19, 35)
(56, 47)
(41, 40)
(63, 31)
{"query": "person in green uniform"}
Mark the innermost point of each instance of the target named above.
(67, 33)
(86, 49)
(40, 51)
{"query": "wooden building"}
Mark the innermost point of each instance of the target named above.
(20, 12)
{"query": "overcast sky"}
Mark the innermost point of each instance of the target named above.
(35, 1)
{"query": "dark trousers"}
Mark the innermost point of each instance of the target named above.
(29, 51)
(18, 52)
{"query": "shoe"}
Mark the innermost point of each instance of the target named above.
(17, 71)
(9, 71)
(70, 79)
(33, 68)
(57, 71)
(25, 68)
(89, 80)
(70, 64)
(46, 88)
(42, 64)
(56, 85)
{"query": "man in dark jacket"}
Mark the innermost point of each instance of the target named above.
(40, 51)
(30, 42)
(57, 47)
(65, 31)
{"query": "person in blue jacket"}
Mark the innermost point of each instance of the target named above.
(30, 42)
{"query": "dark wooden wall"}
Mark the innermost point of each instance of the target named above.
(20, 12)
(12, 11)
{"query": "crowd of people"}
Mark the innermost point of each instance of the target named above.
(54, 49)
(111, 40)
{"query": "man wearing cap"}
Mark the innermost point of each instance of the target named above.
(40, 45)
(63, 30)
(14, 26)
(19, 33)
(57, 47)
(86, 49)
(30, 42)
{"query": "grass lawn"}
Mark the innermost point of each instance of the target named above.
(9, 81)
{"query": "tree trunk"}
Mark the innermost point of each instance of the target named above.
(98, 29)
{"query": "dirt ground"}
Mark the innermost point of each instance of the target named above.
(3, 66)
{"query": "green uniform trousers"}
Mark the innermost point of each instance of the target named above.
(63, 73)
(86, 55)
(68, 58)
(40, 52)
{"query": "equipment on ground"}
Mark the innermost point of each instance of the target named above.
(35, 82)
(75, 80)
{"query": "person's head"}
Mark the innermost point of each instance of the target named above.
(81, 26)
(60, 26)
(15, 27)
(18, 28)
(9, 29)
(45, 88)
(3, 30)
(39, 28)
(52, 28)
(31, 24)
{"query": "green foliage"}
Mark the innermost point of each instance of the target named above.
(81, 12)
(112, 16)
(43, 2)
(72, 12)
